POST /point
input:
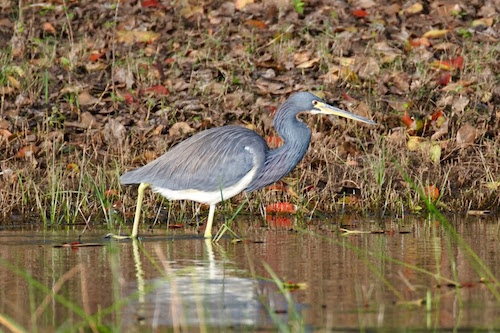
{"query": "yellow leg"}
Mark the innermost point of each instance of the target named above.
(135, 228)
(140, 197)
(208, 229)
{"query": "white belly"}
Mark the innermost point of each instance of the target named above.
(208, 197)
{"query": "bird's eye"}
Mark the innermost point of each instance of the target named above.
(315, 103)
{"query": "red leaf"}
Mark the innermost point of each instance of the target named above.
(458, 62)
(277, 188)
(444, 79)
(170, 60)
(150, 3)
(256, 24)
(449, 65)
(129, 99)
(281, 207)
(110, 193)
(158, 89)
(274, 141)
(416, 42)
(359, 13)
(26, 151)
(348, 98)
(96, 56)
(432, 192)
(407, 120)
(278, 221)
(436, 115)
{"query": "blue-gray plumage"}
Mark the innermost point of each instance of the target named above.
(218, 163)
(208, 161)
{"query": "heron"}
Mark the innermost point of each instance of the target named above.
(218, 163)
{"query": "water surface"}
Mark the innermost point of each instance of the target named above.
(174, 279)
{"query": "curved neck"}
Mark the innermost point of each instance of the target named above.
(281, 161)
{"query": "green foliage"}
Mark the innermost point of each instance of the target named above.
(46, 10)
(298, 5)
(464, 32)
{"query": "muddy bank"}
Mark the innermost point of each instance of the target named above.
(91, 89)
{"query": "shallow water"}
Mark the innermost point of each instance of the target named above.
(174, 279)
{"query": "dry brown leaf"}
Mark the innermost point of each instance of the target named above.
(189, 11)
(301, 57)
(27, 151)
(84, 98)
(73, 89)
(436, 33)
(445, 8)
(4, 133)
(308, 64)
(390, 53)
(445, 46)
(123, 75)
(131, 37)
(14, 82)
(4, 124)
(6, 90)
(114, 132)
(6, 23)
(368, 68)
(95, 66)
(88, 120)
(397, 136)
(268, 86)
(240, 4)
(441, 131)
(487, 9)
(157, 130)
(18, 46)
(49, 28)
(392, 9)
(401, 80)
(362, 109)
(461, 86)
(365, 4)
(414, 143)
(148, 156)
(414, 9)
(180, 129)
(345, 61)
(214, 20)
(466, 135)
(332, 76)
(9, 175)
(399, 104)
(460, 104)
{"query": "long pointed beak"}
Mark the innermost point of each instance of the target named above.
(323, 108)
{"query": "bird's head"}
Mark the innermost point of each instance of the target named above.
(308, 102)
